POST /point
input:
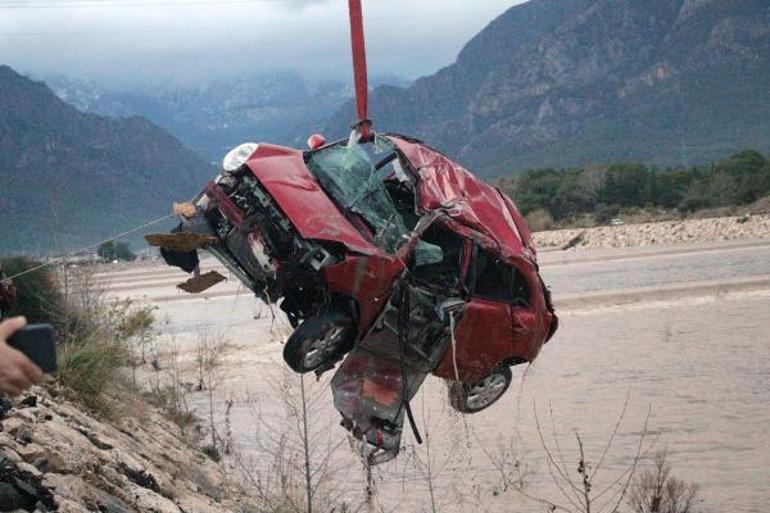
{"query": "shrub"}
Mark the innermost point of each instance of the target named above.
(565, 194)
(38, 294)
(89, 366)
(539, 220)
(606, 213)
(112, 250)
(657, 491)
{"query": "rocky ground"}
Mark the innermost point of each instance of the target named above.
(648, 234)
(55, 457)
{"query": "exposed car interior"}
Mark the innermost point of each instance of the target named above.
(491, 278)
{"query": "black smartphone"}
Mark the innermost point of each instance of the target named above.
(36, 341)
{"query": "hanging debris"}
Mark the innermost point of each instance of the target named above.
(184, 242)
(184, 209)
(201, 283)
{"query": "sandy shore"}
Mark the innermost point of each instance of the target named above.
(649, 234)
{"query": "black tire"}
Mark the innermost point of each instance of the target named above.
(319, 340)
(472, 398)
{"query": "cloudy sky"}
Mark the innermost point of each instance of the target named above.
(127, 43)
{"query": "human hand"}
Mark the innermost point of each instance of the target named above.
(17, 372)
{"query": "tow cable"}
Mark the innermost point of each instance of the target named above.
(358, 45)
(364, 129)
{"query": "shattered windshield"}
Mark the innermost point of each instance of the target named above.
(348, 175)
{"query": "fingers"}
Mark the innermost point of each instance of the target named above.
(11, 326)
(17, 372)
(13, 381)
(18, 365)
(29, 369)
(10, 389)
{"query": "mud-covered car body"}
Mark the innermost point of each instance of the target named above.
(436, 269)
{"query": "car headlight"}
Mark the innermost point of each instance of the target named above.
(238, 156)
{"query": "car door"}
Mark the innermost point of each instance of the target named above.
(527, 333)
(484, 335)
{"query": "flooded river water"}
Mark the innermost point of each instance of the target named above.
(696, 371)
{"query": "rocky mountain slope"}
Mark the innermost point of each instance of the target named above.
(69, 178)
(573, 82)
(56, 457)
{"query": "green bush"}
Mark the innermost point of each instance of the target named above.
(111, 250)
(539, 220)
(606, 213)
(566, 194)
(38, 293)
(89, 365)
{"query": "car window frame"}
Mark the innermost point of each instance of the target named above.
(516, 277)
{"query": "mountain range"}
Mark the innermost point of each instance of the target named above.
(549, 83)
(69, 178)
(211, 118)
(575, 82)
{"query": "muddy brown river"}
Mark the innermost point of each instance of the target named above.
(695, 370)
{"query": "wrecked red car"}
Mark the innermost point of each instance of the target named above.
(386, 256)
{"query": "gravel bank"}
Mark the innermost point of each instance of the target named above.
(649, 234)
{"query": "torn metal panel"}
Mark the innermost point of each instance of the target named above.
(368, 281)
(369, 394)
(482, 338)
(201, 283)
(376, 381)
(184, 242)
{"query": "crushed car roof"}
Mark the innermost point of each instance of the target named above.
(467, 200)
(474, 208)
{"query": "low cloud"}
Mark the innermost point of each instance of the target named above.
(197, 40)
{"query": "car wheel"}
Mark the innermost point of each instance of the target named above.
(483, 394)
(319, 340)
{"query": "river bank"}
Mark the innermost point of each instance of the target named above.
(659, 233)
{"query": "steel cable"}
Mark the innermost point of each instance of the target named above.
(93, 246)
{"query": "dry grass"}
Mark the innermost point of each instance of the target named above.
(99, 342)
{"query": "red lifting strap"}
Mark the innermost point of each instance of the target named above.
(359, 67)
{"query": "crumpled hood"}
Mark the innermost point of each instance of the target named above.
(282, 171)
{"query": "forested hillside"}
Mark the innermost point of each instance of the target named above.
(549, 194)
(70, 178)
